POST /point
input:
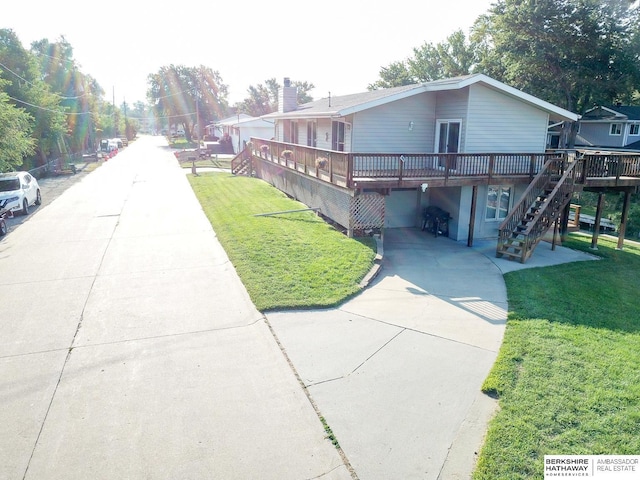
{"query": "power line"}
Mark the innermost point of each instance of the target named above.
(48, 109)
(33, 84)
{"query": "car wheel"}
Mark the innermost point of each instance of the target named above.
(25, 206)
(39, 198)
(3, 227)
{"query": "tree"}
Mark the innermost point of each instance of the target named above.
(180, 94)
(26, 89)
(78, 94)
(395, 74)
(452, 58)
(263, 99)
(573, 53)
(15, 139)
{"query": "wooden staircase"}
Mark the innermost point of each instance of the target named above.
(537, 210)
(241, 164)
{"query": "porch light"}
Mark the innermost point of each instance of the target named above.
(424, 187)
(411, 126)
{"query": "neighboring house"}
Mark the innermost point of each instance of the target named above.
(471, 114)
(240, 128)
(615, 127)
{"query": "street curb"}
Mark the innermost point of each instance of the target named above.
(377, 263)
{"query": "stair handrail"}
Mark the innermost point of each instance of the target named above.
(562, 185)
(238, 160)
(534, 189)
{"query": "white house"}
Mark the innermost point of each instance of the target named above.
(240, 128)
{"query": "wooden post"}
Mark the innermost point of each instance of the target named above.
(564, 223)
(596, 226)
(472, 216)
(623, 220)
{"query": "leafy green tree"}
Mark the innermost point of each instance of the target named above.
(15, 139)
(26, 89)
(573, 53)
(395, 74)
(263, 98)
(454, 57)
(632, 229)
(78, 94)
(180, 94)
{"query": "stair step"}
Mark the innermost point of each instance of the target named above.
(512, 255)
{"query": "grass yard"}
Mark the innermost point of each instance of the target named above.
(568, 372)
(223, 162)
(285, 261)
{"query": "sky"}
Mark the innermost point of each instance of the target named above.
(337, 45)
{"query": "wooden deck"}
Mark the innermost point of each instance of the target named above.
(379, 171)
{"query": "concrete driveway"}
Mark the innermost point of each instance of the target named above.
(130, 349)
(397, 371)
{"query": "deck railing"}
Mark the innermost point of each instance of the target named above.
(446, 165)
(351, 168)
(309, 160)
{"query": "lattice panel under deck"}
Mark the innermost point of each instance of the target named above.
(367, 212)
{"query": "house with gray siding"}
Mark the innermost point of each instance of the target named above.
(473, 114)
(612, 127)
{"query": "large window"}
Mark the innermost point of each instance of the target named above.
(616, 129)
(498, 202)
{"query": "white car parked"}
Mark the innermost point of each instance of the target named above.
(18, 191)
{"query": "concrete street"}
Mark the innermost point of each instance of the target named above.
(130, 349)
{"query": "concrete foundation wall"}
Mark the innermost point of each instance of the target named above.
(333, 201)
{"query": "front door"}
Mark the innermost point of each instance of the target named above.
(448, 138)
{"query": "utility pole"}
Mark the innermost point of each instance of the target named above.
(115, 117)
(126, 122)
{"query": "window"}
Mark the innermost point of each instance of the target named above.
(312, 134)
(634, 129)
(616, 129)
(498, 202)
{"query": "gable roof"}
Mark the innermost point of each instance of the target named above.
(613, 113)
(630, 111)
(244, 120)
(347, 104)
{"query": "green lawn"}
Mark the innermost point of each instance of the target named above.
(568, 372)
(211, 162)
(293, 260)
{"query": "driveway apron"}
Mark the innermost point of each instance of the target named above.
(397, 371)
(130, 349)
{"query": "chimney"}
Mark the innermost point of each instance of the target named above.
(287, 97)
